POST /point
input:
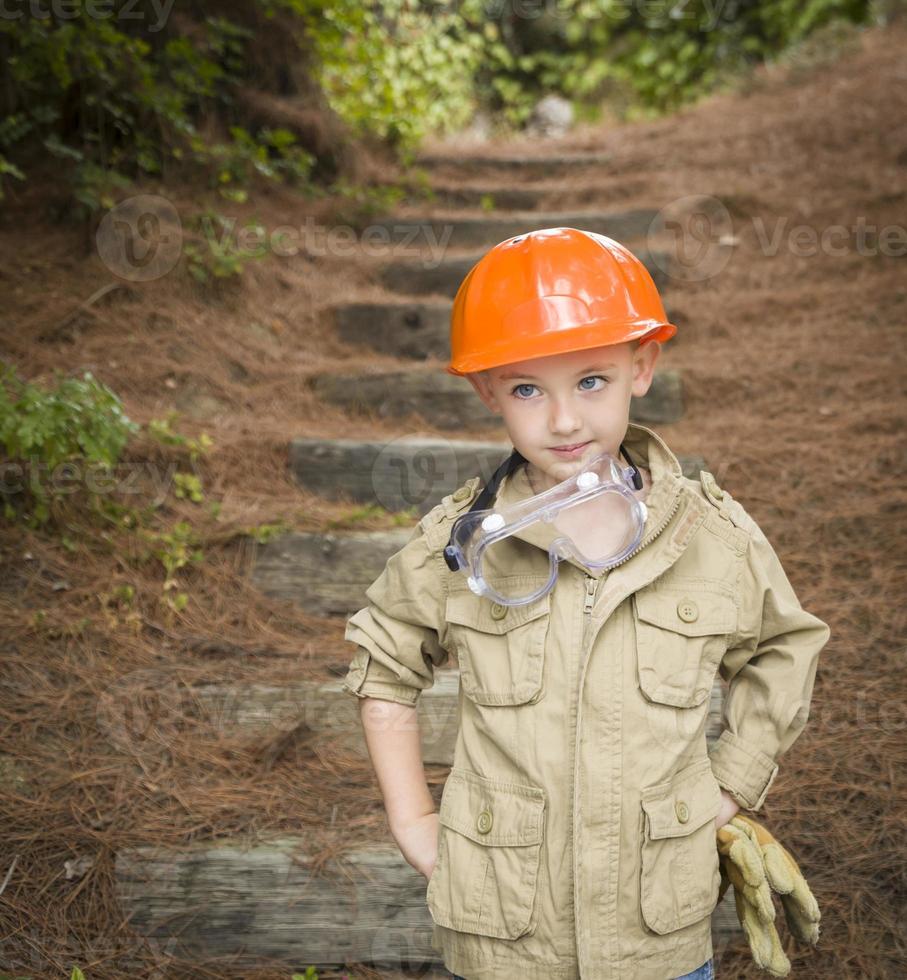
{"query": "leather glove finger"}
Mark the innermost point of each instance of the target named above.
(758, 897)
(762, 936)
(744, 867)
(801, 910)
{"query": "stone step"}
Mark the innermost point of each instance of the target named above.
(488, 230)
(262, 712)
(443, 276)
(449, 402)
(416, 330)
(271, 899)
(408, 472)
(520, 165)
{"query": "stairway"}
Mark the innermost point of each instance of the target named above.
(267, 899)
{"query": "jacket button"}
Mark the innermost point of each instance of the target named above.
(484, 821)
(461, 494)
(498, 611)
(687, 610)
(682, 811)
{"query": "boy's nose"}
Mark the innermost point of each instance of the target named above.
(564, 419)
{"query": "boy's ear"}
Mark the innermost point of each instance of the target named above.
(644, 358)
(483, 389)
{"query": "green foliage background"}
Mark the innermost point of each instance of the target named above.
(132, 92)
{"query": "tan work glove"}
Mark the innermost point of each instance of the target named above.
(756, 864)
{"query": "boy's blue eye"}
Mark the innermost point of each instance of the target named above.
(591, 377)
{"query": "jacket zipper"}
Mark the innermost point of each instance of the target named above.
(590, 595)
(652, 536)
(591, 589)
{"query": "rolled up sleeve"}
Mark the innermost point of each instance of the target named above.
(397, 633)
(770, 671)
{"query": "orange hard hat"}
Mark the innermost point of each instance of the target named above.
(550, 292)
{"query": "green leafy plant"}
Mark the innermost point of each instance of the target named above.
(263, 533)
(395, 69)
(310, 974)
(175, 549)
(80, 420)
(188, 486)
(162, 431)
(222, 251)
(363, 202)
(273, 154)
(112, 105)
(369, 512)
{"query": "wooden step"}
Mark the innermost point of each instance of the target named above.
(261, 712)
(488, 230)
(416, 330)
(269, 899)
(522, 165)
(449, 402)
(438, 275)
(409, 472)
(327, 574)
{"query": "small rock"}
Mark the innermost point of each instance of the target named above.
(552, 117)
(479, 130)
(77, 867)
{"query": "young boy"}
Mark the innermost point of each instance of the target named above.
(576, 835)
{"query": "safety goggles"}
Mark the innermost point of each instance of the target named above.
(595, 517)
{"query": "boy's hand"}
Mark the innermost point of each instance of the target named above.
(728, 809)
(417, 839)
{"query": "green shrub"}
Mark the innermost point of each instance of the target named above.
(41, 431)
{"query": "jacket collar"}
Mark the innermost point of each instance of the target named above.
(646, 449)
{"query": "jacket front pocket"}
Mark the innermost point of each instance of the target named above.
(500, 649)
(489, 847)
(681, 637)
(680, 874)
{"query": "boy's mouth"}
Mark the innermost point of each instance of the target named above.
(573, 450)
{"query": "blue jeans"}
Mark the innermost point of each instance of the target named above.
(704, 972)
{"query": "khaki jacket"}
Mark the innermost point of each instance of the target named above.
(577, 835)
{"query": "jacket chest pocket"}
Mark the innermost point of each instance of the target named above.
(680, 873)
(489, 845)
(500, 649)
(681, 637)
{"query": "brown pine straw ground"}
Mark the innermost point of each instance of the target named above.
(794, 375)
